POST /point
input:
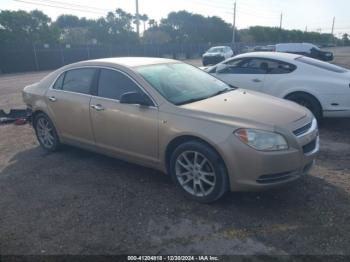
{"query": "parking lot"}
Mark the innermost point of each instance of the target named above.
(77, 202)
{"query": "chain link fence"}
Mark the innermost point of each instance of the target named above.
(26, 58)
(45, 57)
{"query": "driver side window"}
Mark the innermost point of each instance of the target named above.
(113, 84)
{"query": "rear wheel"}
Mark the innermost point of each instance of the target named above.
(46, 132)
(199, 172)
(307, 101)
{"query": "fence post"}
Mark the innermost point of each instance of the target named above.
(36, 58)
(62, 55)
(88, 51)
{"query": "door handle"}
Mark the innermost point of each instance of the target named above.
(52, 99)
(97, 107)
(256, 80)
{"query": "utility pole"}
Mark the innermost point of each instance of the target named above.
(137, 18)
(281, 20)
(333, 38)
(234, 27)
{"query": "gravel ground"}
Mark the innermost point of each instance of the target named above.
(77, 202)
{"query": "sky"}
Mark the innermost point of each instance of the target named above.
(316, 15)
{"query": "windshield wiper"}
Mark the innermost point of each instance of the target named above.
(192, 100)
(222, 92)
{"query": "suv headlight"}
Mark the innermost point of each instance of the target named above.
(262, 140)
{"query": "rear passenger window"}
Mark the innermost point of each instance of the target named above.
(113, 84)
(79, 80)
(279, 67)
(59, 82)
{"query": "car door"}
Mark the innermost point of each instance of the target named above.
(247, 73)
(130, 131)
(278, 76)
(69, 104)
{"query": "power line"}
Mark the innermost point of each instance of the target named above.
(32, 2)
(67, 4)
(259, 9)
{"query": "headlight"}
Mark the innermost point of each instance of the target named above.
(262, 140)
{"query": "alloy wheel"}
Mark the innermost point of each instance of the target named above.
(45, 132)
(195, 173)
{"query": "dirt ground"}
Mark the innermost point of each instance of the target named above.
(77, 202)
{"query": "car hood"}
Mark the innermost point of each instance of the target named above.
(249, 108)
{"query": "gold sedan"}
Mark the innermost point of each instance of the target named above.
(164, 114)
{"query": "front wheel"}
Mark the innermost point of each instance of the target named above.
(199, 171)
(46, 132)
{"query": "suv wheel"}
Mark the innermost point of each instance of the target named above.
(46, 132)
(199, 171)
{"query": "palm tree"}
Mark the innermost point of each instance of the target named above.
(144, 19)
(151, 22)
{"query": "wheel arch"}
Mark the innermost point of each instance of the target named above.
(305, 93)
(41, 111)
(308, 94)
(175, 142)
(37, 112)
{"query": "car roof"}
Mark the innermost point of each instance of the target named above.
(129, 61)
(220, 46)
(271, 55)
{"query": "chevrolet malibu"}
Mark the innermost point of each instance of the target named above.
(209, 137)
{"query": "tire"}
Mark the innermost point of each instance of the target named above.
(307, 101)
(46, 133)
(204, 184)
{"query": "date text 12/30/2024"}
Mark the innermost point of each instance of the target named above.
(173, 258)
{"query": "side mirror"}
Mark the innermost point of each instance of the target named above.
(135, 98)
(220, 68)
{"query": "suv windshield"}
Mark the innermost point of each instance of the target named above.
(181, 83)
(322, 65)
(216, 50)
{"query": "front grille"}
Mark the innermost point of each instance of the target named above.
(269, 179)
(308, 148)
(302, 130)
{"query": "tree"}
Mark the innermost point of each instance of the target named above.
(185, 27)
(18, 27)
(115, 28)
(67, 21)
(152, 23)
(262, 34)
(155, 37)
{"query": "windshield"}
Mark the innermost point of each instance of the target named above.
(316, 47)
(181, 83)
(216, 50)
(322, 65)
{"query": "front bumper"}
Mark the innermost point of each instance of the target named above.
(251, 170)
